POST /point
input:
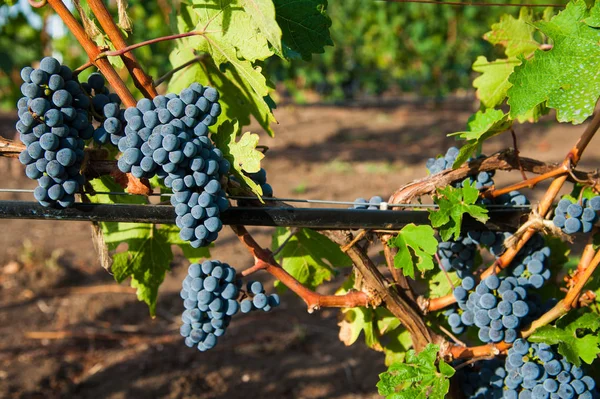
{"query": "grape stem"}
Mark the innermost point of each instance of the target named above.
(263, 260)
(123, 50)
(92, 51)
(173, 71)
(141, 80)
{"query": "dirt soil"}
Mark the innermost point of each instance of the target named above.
(68, 330)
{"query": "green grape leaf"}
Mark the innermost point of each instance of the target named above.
(594, 19)
(310, 257)
(148, 254)
(493, 83)
(576, 336)
(453, 204)
(516, 35)
(549, 76)
(398, 342)
(263, 14)
(305, 26)
(416, 247)
(234, 43)
(242, 154)
(442, 283)
(417, 377)
(481, 126)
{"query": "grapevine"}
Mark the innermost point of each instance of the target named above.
(462, 306)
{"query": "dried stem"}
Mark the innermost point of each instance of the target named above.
(527, 183)
(142, 81)
(264, 261)
(399, 277)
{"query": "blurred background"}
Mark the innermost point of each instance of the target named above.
(359, 120)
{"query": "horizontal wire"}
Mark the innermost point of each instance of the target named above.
(272, 199)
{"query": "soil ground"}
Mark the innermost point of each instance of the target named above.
(68, 330)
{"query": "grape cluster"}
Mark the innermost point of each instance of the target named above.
(106, 109)
(259, 300)
(536, 371)
(168, 137)
(372, 204)
(483, 382)
(260, 178)
(209, 294)
(575, 218)
(53, 124)
(436, 165)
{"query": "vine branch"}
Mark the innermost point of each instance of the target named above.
(264, 261)
(92, 51)
(142, 81)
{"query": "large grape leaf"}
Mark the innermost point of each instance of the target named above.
(242, 154)
(565, 76)
(305, 26)
(308, 256)
(234, 44)
(148, 255)
(417, 377)
(416, 247)
(577, 339)
(453, 204)
(263, 14)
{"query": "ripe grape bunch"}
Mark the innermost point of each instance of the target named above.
(210, 292)
(168, 137)
(53, 124)
(573, 218)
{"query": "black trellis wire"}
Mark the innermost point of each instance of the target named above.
(317, 218)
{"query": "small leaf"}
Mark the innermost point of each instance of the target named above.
(417, 377)
(242, 155)
(576, 340)
(414, 243)
(493, 83)
(439, 285)
(453, 204)
(516, 35)
(481, 126)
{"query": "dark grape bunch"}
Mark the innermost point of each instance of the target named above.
(484, 381)
(436, 165)
(575, 218)
(53, 124)
(260, 178)
(168, 137)
(372, 204)
(258, 299)
(106, 109)
(209, 294)
(537, 371)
